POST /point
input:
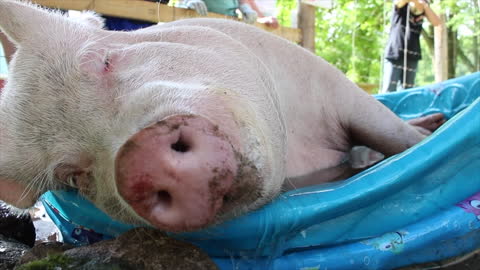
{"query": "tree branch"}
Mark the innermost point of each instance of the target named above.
(430, 43)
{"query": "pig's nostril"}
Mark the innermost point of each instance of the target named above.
(164, 199)
(181, 145)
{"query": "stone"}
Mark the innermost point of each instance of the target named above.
(16, 226)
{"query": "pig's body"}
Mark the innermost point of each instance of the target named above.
(303, 104)
(321, 108)
(179, 125)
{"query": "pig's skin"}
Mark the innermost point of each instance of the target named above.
(325, 114)
(77, 93)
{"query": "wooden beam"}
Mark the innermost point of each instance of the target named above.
(306, 23)
(441, 51)
(152, 12)
(368, 87)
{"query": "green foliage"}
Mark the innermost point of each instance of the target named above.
(352, 35)
(425, 73)
(286, 9)
(62, 262)
(49, 263)
(461, 13)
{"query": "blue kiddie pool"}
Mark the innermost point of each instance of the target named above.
(419, 206)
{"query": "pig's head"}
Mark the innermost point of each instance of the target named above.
(151, 128)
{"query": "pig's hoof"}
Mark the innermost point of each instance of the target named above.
(428, 123)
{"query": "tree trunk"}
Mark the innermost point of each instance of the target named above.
(470, 65)
(452, 49)
(306, 23)
(429, 40)
(440, 59)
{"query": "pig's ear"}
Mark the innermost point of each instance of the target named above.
(89, 18)
(16, 194)
(21, 21)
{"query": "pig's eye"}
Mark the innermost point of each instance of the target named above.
(107, 64)
(72, 180)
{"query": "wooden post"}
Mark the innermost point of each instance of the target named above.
(441, 51)
(306, 23)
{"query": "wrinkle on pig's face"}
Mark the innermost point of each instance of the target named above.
(52, 117)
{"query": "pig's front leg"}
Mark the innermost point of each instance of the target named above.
(362, 157)
(375, 126)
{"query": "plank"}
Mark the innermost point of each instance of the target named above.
(152, 12)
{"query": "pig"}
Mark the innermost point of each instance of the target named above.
(177, 126)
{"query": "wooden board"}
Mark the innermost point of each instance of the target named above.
(369, 87)
(152, 12)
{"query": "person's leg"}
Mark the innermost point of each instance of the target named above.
(411, 73)
(391, 75)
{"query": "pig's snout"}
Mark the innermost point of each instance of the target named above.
(175, 173)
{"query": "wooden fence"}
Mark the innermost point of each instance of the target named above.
(153, 12)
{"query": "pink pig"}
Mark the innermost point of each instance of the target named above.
(179, 125)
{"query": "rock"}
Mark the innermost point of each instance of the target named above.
(144, 248)
(138, 249)
(10, 252)
(16, 226)
(43, 250)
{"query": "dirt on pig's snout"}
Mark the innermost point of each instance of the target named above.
(244, 191)
(147, 175)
